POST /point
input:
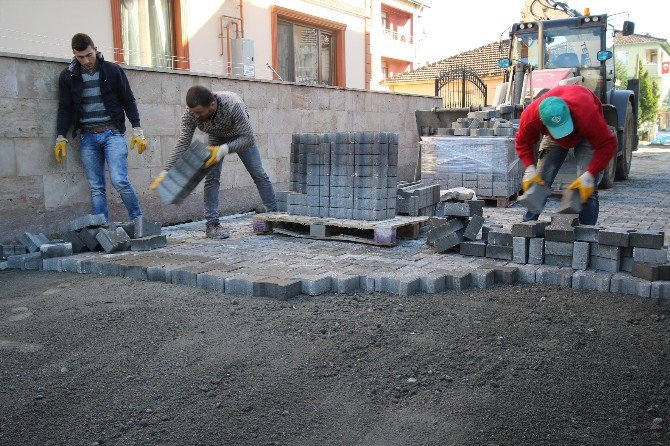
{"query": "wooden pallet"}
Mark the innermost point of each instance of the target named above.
(380, 233)
(500, 202)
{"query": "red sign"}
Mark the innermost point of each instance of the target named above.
(665, 68)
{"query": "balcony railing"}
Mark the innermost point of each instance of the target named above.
(397, 36)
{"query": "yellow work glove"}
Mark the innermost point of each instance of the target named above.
(530, 176)
(60, 149)
(586, 186)
(158, 180)
(138, 140)
(218, 152)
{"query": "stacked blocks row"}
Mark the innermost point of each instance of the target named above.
(487, 165)
(417, 200)
(349, 175)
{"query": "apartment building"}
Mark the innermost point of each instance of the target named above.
(346, 43)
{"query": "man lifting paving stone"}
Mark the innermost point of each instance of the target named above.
(224, 117)
(569, 116)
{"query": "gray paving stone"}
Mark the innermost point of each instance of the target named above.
(276, 287)
(660, 290)
(535, 197)
(626, 284)
(52, 264)
(241, 284)
(345, 284)
(474, 226)
(483, 278)
(30, 261)
(646, 239)
(213, 280)
(580, 255)
(145, 228)
(500, 237)
(527, 273)
(536, 251)
(614, 237)
(499, 252)
(73, 238)
(87, 221)
(458, 280)
(507, 275)
(554, 275)
(72, 265)
(520, 249)
(529, 229)
(591, 281)
(606, 251)
(650, 255)
(88, 236)
(434, 282)
(113, 241)
(565, 220)
(402, 286)
(603, 264)
(554, 234)
(584, 233)
(313, 286)
(473, 248)
(136, 272)
(56, 250)
(32, 242)
(148, 243)
(558, 248)
(448, 241)
(556, 260)
(570, 202)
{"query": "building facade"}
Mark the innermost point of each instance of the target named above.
(346, 43)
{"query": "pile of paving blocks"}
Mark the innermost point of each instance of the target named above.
(417, 199)
(481, 123)
(489, 166)
(343, 175)
(564, 243)
(454, 223)
(185, 175)
(87, 233)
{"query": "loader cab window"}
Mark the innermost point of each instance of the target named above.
(525, 49)
(572, 47)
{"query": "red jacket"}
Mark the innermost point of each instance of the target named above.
(589, 123)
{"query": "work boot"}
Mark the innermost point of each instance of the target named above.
(216, 232)
(261, 209)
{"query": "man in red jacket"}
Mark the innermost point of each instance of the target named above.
(568, 116)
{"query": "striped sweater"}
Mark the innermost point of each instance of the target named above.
(230, 125)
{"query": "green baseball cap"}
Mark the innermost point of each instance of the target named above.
(555, 115)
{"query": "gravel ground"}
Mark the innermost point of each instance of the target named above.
(91, 360)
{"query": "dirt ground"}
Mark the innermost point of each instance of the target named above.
(101, 360)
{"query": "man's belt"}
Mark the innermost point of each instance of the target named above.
(99, 129)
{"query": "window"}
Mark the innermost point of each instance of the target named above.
(623, 57)
(651, 56)
(385, 69)
(149, 33)
(305, 54)
(307, 49)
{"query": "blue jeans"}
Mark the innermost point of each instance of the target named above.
(108, 146)
(251, 158)
(551, 157)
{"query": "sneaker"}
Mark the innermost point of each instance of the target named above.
(261, 209)
(216, 232)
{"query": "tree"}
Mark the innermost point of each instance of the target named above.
(649, 98)
(620, 73)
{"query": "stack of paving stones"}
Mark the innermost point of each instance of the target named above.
(486, 122)
(343, 175)
(417, 199)
(562, 252)
(87, 233)
(489, 166)
(185, 175)
(455, 222)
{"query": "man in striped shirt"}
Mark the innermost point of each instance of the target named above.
(95, 98)
(223, 116)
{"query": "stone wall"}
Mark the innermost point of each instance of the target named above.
(39, 195)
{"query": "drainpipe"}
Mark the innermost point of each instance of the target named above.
(242, 17)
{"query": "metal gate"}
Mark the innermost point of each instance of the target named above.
(460, 87)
